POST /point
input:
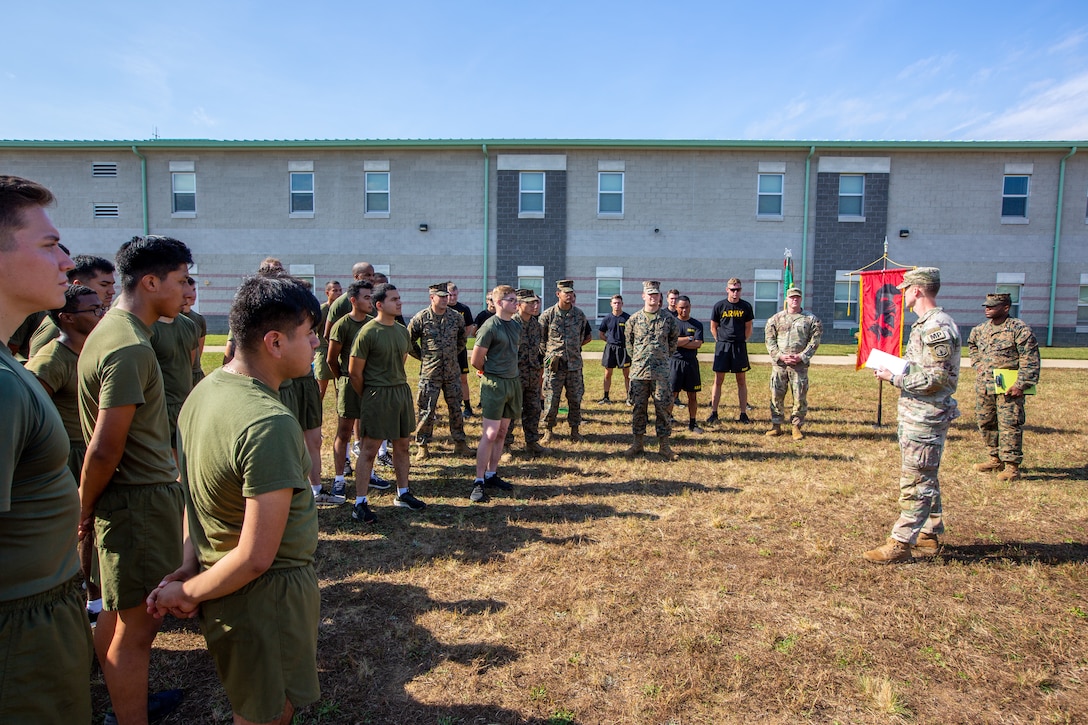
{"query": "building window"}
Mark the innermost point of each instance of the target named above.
(1013, 291)
(606, 288)
(852, 196)
(768, 293)
(531, 195)
(302, 193)
(106, 211)
(531, 277)
(1082, 305)
(769, 202)
(377, 193)
(1014, 196)
(104, 169)
(846, 300)
(305, 272)
(184, 191)
(610, 193)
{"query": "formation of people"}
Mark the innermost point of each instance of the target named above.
(131, 486)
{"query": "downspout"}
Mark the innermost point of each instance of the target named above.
(1057, 247)
(804, 223)
(487, 210)
(143, 185)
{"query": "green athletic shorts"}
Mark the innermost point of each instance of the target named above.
(303, 398)
(138, 531)
(322, 371)
(387, 412)
(45, 648)
(500, 397)
(347, 400)
(263, 639)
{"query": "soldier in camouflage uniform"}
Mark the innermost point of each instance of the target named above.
(651, 340)
(529, 369)
(564, 330)
(437, 335)
(792, 338)
(926, 409)
(1002, 342)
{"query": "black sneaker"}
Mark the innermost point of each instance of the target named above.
(385, 459)
(159, 705)
(379, 483)
(408, 501)
(712, 418)
(361, 512)
(496, 482)
(604, 400)
(694, 428)
(743, 419)
(468, 410)
(478, 493)
(348, 470)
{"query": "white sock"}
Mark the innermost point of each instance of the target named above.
(95, 605)
(489, 474)
(360, 499)
(401, 491)
(339, 479)
(316, 489)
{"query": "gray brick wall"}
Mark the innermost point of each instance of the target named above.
(531, 241)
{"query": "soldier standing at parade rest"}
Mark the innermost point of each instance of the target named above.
(612, 328)
(529, 367)
(96, 273)
(792, 338)
(652, 334)
(437, 334)
(470, 330)
(1005, 343)
(322, 371)
(731, 325)
(684, 374)
(926, 409)
(202, 330)
(565, 331)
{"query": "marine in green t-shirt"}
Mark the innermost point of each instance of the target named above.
(175, 341)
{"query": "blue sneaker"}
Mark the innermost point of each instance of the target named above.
(379, 483)
(361, 512)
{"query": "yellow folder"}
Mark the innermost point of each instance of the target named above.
(1005, 379)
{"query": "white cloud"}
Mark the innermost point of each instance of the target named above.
(1070, 42)
(1057, 113)
(201, 118)
(927, 67)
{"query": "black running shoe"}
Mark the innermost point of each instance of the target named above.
(361, 512)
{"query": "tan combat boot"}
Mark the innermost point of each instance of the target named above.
(776, 430)
(421, 452)
(892, 552)
(635, 448)
(535, 449)
(547, 437)
(576, 436)
(1011, 472)
(994, 464)
(797, 434)
(926, 545)
(461, 448)
(666, 450)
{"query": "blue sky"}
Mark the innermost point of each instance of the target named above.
(633, 70)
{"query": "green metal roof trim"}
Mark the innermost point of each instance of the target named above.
(492, 144)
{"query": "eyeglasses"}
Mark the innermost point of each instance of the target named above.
(98, 310)
(508, 299)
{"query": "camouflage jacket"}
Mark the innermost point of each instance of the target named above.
(1010, 345)
(650, 343)
(435, 342)
(933, 351)
(562, 335)
(793, 334)
(529, 362)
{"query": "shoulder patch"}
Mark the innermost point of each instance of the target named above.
(942, 351)
(936, 335)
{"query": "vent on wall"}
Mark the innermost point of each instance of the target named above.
(104, 169)
(107, 211)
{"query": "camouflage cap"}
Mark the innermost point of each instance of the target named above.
(921, 275)
(997, 300)
(793, 292)
(564, 285)
(526, 295)
(651, 287)
(439, 290)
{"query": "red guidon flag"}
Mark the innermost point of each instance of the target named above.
(881, 313)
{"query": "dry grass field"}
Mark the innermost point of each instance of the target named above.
(726, 587)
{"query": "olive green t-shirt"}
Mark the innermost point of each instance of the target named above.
(174, 343)
(202, 332)
(501, 338)
(236, 440)
(384, 348)
(55, 365)
(344, 331)
(46, 332)
(39, 500)
(339, 309)
(117, 367)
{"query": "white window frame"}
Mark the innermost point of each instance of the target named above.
(1012, 283)
(780, 194)
(523, 194)
(294, 213)
(849, 285)
(602, 194)
(306, 272)
(1006, 196)
(613, 279)
(531, 277)
(1082, 303)
(851, 195)
(369, 194)
(175, 195)
(764, 277)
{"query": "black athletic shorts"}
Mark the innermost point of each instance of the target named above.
(462, 360)
(615, 356)
(731, 357)
(684, 375)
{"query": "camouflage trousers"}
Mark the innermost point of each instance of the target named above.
(427, 402)
(530, 411)
(919, 489)
(1001, 422)
(794, 379)
(554, 383)
(641, 391)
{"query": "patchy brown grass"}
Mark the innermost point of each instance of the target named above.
(726, 587)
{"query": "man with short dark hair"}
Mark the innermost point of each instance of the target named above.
(684, 374)
(322, 371)
(611, 330)
(176, 339)
(470, 330)
(202, 330)
(95, 273)
(564, 332)
(360, 272)
(731, 326)
(529, 373)
(672, 297)
(252, 522)
(44, 633)
(129, 490)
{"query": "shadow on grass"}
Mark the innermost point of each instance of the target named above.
(1017, 552)
(371, 646)
(1078, 473)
